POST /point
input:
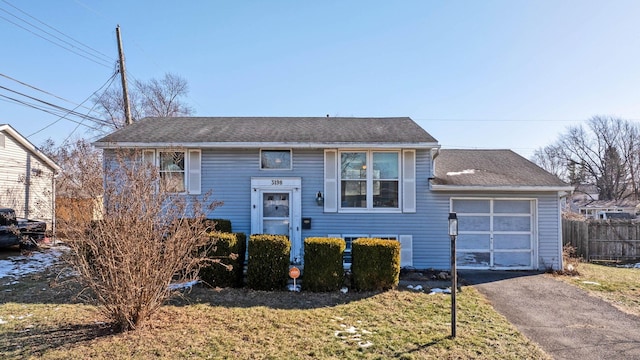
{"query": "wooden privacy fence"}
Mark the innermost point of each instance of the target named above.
(603, 239)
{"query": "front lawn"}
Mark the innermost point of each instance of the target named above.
(39, 321)
(619, 286)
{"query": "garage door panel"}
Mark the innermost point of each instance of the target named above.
(511, 223)
(474, 223)
(475, 259)
(474, 242)
(512, 259)
(472, 206)
(512, 242)
(512, 206)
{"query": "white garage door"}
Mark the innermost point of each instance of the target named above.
(495, 233)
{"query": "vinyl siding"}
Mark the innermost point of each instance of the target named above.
(227, 173)
(26, 183)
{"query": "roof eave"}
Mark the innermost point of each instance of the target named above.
(257, 145)
(507, 188)
(28, 145)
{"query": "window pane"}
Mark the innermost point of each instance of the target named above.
(512, 259)
(474, 223)
(473, 259)
(512, 223)
(275, 159)
(471, 206)
(172, 171)
(512, 206)
(385, 165)
(172, 161)
(354, 194)
(385, 194)
(353, 165)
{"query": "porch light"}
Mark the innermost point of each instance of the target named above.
(319, 199)
(453, 224)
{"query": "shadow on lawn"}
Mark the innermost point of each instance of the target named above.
(285, 300)
(34, 341)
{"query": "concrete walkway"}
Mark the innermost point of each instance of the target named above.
(565, 321)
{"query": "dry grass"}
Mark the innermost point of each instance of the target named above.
(248, 324)
(619, 286)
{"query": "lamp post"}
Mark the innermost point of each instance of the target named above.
(453, 234)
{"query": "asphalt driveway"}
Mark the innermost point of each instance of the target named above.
(565, 321)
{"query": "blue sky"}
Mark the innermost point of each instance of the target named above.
(475, 74)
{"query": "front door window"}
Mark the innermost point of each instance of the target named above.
(276, 216)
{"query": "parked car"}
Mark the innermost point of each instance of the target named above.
(18, 231)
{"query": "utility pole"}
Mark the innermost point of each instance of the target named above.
(123, 76)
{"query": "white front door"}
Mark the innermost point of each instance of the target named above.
(276, 210)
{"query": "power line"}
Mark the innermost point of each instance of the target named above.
(106, 84)
(38, 89)
(51, 104)
(97, 60)
(107, 57)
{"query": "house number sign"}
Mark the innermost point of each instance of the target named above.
(276, 182)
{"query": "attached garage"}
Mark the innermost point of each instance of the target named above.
(496, 233)
(508, 209)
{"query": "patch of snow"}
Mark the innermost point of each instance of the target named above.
(344, 290)
(463, 172)
(365, 344)
(440, 291)
(184, 285)
(591, 283)
(295, 288)
(2, 321)
(21, 265)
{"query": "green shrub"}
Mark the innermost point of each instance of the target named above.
(323, 269)
(268, 265)
(221, 225)
(229, 249)
(375, 264)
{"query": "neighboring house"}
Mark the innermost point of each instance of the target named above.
(359, 177)
(27, 178)
(603, 209)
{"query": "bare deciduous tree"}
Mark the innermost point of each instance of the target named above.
(604, 154)
(146, 238)
(158, 98)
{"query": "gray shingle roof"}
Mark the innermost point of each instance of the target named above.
(291, 130)
(490, 168)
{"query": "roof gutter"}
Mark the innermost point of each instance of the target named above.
(494, 188)
(258, 145)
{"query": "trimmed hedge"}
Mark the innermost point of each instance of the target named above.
(224, 247)
(323, 269)
(375, 264)
(219, 225)
(268, 265)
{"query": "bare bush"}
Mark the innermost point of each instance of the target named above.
(570, 261)
(145, 239)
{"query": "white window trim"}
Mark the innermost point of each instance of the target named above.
(191, 171)
(281, 169)
(369, 180)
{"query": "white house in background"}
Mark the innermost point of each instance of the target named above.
(359, 177)
(27, 177)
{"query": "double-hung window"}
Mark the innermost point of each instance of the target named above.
(172, 166)
(369, 179)
(179, 170)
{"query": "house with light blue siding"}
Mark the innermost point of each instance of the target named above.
(359, 177)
